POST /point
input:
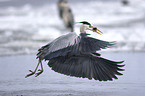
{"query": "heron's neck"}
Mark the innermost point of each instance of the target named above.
(83, 28)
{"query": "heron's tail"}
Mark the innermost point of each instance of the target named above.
(87, 66)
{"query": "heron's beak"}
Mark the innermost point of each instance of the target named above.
(94, 29)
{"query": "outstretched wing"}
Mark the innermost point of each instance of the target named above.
(86, 66)
(57, 47)
(90, 44)
(72, 43)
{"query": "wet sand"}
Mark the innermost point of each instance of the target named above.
(14, 68)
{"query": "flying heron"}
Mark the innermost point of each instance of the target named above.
(75, 55)
(66, 14)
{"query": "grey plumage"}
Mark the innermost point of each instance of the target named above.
(86, 66)
(72, 43)
(61, 6)
(65, 13)
(75, 55)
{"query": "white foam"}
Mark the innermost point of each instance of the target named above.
(29, 24)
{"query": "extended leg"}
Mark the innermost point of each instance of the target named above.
(33, 72)
(40, 70)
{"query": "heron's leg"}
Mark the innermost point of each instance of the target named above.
(33, 72)
(40, 70)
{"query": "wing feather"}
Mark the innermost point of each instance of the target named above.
(86, 66)
(58, 47)
(72, 43)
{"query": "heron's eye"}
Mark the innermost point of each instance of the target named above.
(94, 28)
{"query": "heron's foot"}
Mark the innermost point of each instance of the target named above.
(31, 73)
(40, 72)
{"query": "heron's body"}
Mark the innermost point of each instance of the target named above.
(76, 55)
(66, 14)
(70, 56)
(72, 43)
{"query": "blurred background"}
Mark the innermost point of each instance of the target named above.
(26, 25)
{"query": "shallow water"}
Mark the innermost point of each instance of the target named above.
(14, 68)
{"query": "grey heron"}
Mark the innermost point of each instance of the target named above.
(75, 55)
(66, 14)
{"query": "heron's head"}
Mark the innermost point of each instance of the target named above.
(63, 3)
(90, 27)
(86, 23)
(95, 29)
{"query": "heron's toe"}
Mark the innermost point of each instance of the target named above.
(40, 72)
(31, 73)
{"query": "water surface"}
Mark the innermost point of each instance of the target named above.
(14, 68)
